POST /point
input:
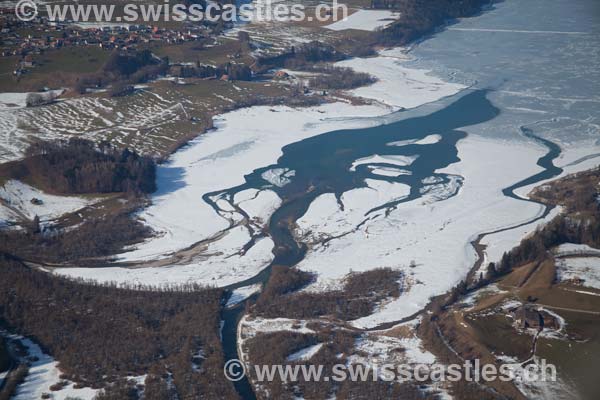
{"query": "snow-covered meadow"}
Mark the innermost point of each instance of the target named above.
(20, 200)
(582, 270)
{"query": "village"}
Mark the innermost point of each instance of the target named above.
(28, 39)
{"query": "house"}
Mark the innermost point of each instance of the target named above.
(528, 317)
(281, 75)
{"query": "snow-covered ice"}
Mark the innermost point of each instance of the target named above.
(325, 216)
(389, 171)
(240, 294)
(499, 243)
(401, 161)
(398, 86)
(278, 176)
(240, 143)
(430, 139)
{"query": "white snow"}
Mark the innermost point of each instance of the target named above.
(389, 171)
(436, 234)
(586, 292)
(430, 139)
(365, 20)
(499, 243)
(381, 349)
(10, 100)
(471, 299)
(262, 206)
(221, 264)
(43, 373)
(305, 354)
(278, 176)
(248, 328)
(573, 158)
(554, 333)
(398, 86)
(240, 294)
(401, 161)
(241, 142)
(18, 196)
(585, 269)
(325, 216)
(572, 249)
(251, 327)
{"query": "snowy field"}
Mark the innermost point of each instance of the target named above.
(433, 231)
(365, 20)
(383, 348)
(140, 121)
(572, 249)
(499, 243)
(585, 270)
(24, 201)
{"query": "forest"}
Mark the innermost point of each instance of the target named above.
(122, 331)
(360, 295)
(420, 18)
(92, 239)
(79, 166)
(299, 56)
(339, 78)
(579, 223)
(124, 68)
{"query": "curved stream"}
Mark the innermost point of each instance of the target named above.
(550, 171)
